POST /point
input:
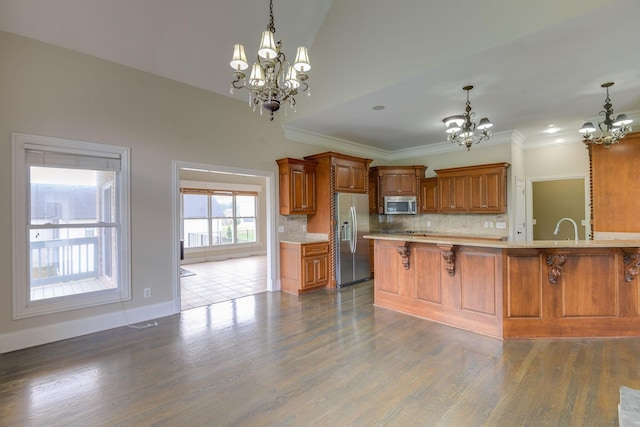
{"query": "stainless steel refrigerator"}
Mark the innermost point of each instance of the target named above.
(352, 250)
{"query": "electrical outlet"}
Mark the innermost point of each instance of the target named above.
(304, 228)
(281, 229)
(500, 224)
(147, 292)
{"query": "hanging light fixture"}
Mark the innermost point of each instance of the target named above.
(273, 82)
(461, 130)
(611, 130)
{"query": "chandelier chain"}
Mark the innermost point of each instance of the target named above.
(271, 26)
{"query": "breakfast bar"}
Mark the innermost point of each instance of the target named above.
(511, 290)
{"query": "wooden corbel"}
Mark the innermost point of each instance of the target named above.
(631, 264)
(404, 252)
(555, 264)
(449, 256)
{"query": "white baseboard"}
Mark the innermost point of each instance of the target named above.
(221, 257)
(12, 341)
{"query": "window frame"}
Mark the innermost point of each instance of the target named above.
(213, 192)
(23, 306)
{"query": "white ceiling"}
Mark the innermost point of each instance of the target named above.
(532, 63)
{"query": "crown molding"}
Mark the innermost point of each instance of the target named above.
(513, 137)
(335, 144)
(549, 140)
(357, 149)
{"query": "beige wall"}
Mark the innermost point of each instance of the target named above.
(557, 160)
(556, 199)
(55, 92)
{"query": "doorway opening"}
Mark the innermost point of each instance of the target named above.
(553, 199)
(223, 238)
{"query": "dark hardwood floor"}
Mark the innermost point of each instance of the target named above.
(327, 358)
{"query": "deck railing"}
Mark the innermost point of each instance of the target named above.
(64, 260)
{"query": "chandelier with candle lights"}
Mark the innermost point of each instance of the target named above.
(273, 81)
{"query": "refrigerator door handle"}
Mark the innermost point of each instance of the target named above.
(354, 230)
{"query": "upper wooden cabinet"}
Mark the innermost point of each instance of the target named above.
(428, 195)
(297, 186)
(399, 180)
(475, 189)
(350, 174)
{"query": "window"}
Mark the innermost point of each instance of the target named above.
(216, 217)
(70, 225)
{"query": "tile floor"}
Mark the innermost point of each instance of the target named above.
(218, 281)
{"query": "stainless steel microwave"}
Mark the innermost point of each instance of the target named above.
(400, 205)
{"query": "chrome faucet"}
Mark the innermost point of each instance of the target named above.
(575, 227)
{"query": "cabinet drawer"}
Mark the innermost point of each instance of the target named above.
(313, 249)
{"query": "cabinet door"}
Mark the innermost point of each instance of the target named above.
(351, 177)
(407, 185)
(297, 187)
(494, 191)
(343, 177)
(359, 178)
(452, 193)
(316, 271)
(429, 195)
(322, 271)
(309, 268)
(310, 191)
(486, 192)
(298, 190)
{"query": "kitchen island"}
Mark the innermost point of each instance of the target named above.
(507, 290)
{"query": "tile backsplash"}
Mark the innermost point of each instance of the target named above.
(295, 226)
(494, 225)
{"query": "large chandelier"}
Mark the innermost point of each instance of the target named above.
(270, 86)
(611, 131)
(461, 130)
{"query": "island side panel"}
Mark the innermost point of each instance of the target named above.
(591, 296)
(455, 285)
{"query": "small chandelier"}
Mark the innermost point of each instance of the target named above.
(611, 131)
(270, 85)
(461, 130)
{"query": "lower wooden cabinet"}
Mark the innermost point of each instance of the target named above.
(303, 266)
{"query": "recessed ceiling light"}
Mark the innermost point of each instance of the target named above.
(551, 129)
(378, 107)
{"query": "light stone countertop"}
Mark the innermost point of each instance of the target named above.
(300, 240)
(491, 242)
